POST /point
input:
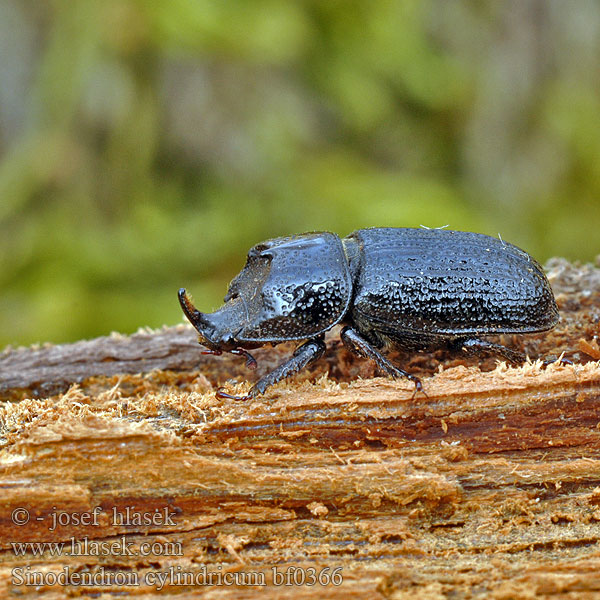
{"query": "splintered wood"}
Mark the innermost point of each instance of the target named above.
(123, 475)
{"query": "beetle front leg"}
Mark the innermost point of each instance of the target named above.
(355, 343)
(302, 357)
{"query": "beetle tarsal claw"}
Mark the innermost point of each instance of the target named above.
(221, 393)
(418, 386)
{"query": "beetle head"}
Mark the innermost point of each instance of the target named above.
(215, 330)
(291, 288)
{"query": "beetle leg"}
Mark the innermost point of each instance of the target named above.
(355, 343)
(302, 357)
(222, 394)
(477, 346)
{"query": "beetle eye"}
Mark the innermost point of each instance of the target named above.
(258, 250)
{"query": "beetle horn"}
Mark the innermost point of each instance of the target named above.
(195, 317)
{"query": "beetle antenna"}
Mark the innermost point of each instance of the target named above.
(195, 317)
(250, 360)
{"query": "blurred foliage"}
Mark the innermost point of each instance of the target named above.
(147, 145)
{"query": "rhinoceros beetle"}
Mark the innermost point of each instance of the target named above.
(413, 289)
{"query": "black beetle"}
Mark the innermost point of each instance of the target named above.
(408, 288)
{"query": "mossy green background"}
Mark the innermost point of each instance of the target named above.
(147, 145)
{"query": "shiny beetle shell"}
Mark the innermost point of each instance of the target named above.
(410, 288)
(443, 282)
(293, 288)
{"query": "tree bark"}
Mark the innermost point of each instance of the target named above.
(335, 484)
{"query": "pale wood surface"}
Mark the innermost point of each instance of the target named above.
(488, 487)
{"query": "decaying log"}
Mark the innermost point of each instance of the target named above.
(488, 487)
